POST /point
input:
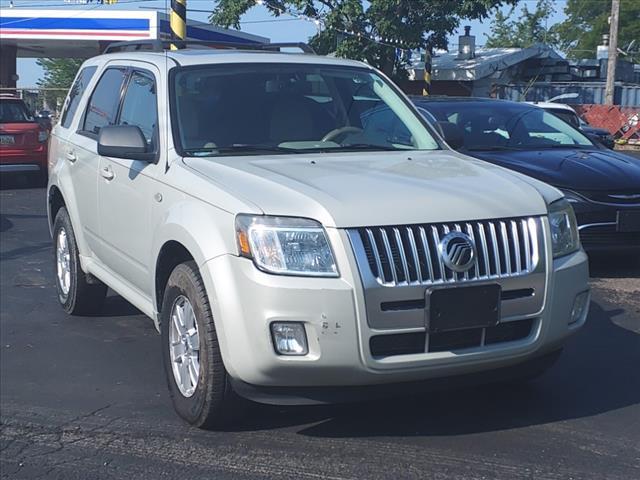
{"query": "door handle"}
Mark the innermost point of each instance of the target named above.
(107, 173)
(71, 156)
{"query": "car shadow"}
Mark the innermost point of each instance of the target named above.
(5, 223)
(116, 306)
(593, 376)
(20, 181)
(614, 265)
(26, 251)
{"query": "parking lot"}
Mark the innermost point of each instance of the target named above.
(85, 397)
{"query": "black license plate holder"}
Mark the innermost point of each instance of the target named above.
(629, 220)
(458, 308)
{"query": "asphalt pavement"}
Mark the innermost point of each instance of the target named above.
(85, 397)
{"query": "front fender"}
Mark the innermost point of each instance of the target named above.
(205, 231)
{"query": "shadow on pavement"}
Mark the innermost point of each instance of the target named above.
(116, 306)
(26, 251)
(19, 181)
(614, 265)
(593, 376)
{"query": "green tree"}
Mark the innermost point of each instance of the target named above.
(371, 30)
(58, 74)
(587, 21)
(522, 32)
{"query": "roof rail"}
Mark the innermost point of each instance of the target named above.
(162, 45)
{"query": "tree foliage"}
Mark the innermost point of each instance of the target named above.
(411, 23)
(58, 74)
(587, 21)
(529, 28)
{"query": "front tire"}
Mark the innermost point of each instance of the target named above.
(76, 295)
(197, 379)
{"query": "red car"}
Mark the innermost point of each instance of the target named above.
(23, 141)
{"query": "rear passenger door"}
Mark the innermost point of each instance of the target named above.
(126, 188)
(78, 148)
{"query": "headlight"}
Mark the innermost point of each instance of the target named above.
(286, 245)
(573, 197)
(564, 228)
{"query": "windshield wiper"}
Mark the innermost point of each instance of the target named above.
(239, 148)
(489, 148)
(361, 147)
(559, 145)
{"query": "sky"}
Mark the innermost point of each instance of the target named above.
(257, 21)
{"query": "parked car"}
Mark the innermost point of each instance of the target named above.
(299, 234)
(569, 115)
(603, 186)
(45, 118)
(23, 142)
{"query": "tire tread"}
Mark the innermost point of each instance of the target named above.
(84, 298)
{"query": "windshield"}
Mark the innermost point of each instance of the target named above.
(570, 117)
(14, 112)
(495, 126)
(252, 109)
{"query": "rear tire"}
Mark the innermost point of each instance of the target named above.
(76, 295)
(197, 379)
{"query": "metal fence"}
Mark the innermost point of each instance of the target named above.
(587, 93)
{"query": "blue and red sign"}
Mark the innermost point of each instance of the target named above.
(75, 24)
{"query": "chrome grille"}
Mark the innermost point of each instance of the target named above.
(409, 255)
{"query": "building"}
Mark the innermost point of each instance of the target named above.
(536, 73)
(85, 33)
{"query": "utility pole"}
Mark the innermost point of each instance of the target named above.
(178, 22)
(613, 53)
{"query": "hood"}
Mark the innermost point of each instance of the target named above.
(572, 169)
(375, 188)
(595, 131)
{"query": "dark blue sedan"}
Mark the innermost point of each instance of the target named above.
(602, 185)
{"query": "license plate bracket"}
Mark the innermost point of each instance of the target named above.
(457, 308)
(628, 220)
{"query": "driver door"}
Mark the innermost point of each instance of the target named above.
(126, 188)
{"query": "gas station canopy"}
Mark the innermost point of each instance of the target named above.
(85, 33)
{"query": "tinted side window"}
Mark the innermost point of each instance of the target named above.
(140, 106)
(75, 94)
(103, 105)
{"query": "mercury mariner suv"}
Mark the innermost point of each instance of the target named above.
(298, 233)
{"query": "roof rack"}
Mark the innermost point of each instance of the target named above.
(162, 45)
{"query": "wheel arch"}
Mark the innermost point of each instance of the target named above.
(171, 254)
(55, 201)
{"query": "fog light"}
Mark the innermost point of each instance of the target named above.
(580, 306)
(289, 338)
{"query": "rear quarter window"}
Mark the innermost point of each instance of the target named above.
(75, 95)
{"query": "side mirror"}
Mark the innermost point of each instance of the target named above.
(451, 134)
(124, 141)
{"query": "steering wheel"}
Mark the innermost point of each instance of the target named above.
(340, 131)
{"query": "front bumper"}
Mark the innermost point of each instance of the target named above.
(599, 230)
(245, 301)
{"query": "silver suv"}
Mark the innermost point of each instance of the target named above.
(299, 234)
